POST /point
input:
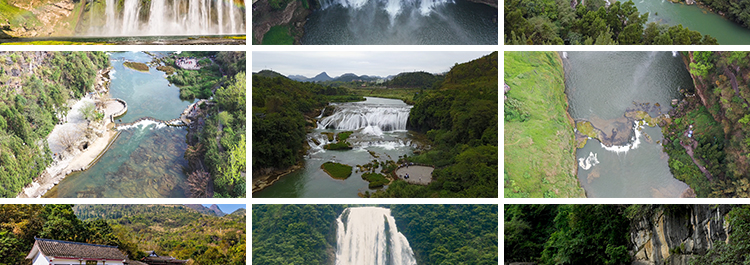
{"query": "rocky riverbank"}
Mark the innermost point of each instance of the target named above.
(78, 142)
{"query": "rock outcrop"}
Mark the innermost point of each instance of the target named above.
(666, 236)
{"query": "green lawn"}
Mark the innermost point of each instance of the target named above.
(539, 149)
(336, 170)
(278, 35)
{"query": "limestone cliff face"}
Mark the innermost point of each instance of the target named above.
(663, 237)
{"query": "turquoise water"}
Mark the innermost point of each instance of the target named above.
(147, 159)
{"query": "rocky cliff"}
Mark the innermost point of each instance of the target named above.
(671, 235)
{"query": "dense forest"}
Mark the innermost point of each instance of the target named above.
(217, 151)
(422, 80)
(279, 105)
(172, 230)
(460, 119)
(438, 234)
(449, 234)
(556, 22)
(35, 89)
(717, 112)
(601, 234)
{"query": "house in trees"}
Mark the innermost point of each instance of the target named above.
(154, 259)
(58, 252)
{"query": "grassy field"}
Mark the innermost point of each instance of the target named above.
(278, 35)
(539, 149)
(336, 170)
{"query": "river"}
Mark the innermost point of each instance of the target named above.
(146, 160)
(379, 126)
(425, 22)
(695, 18)
(601, 87)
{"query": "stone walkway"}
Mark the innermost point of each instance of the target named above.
(417, 174)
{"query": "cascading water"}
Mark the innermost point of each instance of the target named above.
(368, 235)
(372, 118)
(172, 17)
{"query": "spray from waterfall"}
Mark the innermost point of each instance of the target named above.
(171, 17)
(368, 235)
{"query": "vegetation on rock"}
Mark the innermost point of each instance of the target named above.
(337, 170)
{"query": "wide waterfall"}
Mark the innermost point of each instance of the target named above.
(171, 17)
(373, 117)
(368, 235)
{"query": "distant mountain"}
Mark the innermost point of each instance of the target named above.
(320, 78)
(240, 211)
(300, 78)
(213, 210)
(414, 80)
(349, 77)
(268, 73)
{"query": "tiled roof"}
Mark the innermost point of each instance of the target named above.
(67, 249)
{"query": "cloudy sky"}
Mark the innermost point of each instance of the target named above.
(310, 64)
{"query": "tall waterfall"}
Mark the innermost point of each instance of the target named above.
(371, 117)
(368, 235)
(392, 7)
(171, 17)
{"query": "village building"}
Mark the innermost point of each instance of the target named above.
(154, 259)
(58, 252)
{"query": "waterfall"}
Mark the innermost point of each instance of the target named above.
(373, 118)
(392, 7)
(178, 17)
(368, 235)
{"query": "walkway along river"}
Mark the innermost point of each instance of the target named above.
(146, 160)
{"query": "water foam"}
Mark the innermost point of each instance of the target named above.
(143, 124)
(588, 162)
(632, 145)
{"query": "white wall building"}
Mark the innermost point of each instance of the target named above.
(58, 252)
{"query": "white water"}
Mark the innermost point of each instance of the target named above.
(392, 7)
(373, 119)
(368, 235)
(143, 124)
(625, 148)
(164, 17)
(588, 162)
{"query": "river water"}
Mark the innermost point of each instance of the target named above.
(695, 18)
(146, 160)
(419, 22)
(379, 126)
(601, 86)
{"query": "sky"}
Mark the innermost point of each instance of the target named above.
(378, 63)
(228, 208)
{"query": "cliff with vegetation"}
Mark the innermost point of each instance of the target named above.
(627, 234)
(715, 160)
(589, 22)
(280, 21)
(36, 87)
(539, 134)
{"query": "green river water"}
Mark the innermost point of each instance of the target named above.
(147, 159)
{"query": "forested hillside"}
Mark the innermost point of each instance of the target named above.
(460, 119)
(422, 80)
(278, 121)
(449, 234)
(621, 234)
(438, 234)
(718, 114)
(294, 234)
(35, 87)
(173, 230)
(556, 22)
